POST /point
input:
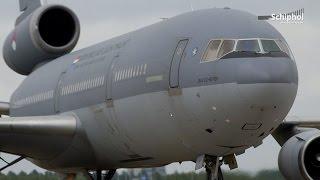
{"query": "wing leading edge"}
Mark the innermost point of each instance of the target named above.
(290, 128)
(42, 125)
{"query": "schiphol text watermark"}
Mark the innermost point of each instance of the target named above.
(295, 17)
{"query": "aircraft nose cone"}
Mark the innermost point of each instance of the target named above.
(268, 96)
(268, 83)
(266, 90)
(264, 70)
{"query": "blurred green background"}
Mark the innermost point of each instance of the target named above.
(125, 175)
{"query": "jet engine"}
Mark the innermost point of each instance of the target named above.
(48, 33)
(299, 158)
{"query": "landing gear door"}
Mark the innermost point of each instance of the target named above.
(179, 54)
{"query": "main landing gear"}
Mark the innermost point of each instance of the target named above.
(102, 175)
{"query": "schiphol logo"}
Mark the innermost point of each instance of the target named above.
(295, 17)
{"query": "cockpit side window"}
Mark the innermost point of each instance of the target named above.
(226, 47)
(212, 50)
(270, 46)
(283, 46)
(248, 46)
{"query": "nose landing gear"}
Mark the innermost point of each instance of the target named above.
(213, 168)
(212, 165)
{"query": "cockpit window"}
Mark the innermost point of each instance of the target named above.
(226, 47)
(270, 46)
(283, 46)
(212, 51)
(248, 46)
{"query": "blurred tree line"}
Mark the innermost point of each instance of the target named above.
(262, 175)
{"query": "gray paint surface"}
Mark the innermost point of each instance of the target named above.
(154, 46)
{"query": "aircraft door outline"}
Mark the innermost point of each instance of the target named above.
(177, 58)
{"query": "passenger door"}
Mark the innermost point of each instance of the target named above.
(179, 54)
(82, 84)
(58, 92)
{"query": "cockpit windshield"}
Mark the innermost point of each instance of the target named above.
(270, 46)
(284, 48)
(226, 47)
(248, 46)
(212, 50)
(240, 48)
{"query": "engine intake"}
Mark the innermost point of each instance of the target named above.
(299, 157)
(48, 33)
(57, 27)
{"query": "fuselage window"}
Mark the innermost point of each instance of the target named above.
(212, 50)
(270, 46)
(226, 47)
(248, 46)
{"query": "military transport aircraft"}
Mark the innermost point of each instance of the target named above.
(203, 86)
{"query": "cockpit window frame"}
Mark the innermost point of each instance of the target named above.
(203, 57)
(284, 43)
(275, 40)
(204, 60)
(287, 46)
(222, 43)
(262, 51)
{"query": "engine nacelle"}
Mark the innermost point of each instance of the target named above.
(299, 158)
(49, 32)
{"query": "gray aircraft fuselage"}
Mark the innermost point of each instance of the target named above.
(147, 99)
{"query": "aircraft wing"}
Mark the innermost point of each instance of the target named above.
(290, 128)
(303, 124)
(38, 137)
(42, 125)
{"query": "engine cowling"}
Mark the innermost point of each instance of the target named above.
(299, 158)
(49, 32)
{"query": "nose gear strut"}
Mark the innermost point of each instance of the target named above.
(213, 168)
(212, 165)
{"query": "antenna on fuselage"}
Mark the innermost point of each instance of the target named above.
(191, 6)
